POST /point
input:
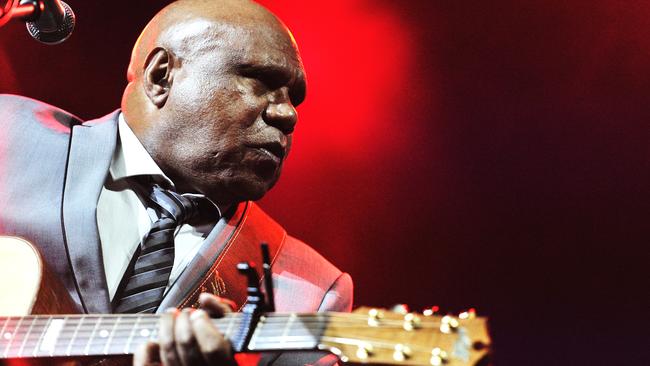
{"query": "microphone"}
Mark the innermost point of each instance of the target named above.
(50, 22)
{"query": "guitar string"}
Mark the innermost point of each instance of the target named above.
(268, 316)
(262, 339)
(267, 321)
(72, 327)
(266, 326)
(266, 330)
(302, 339)
(413, 349)
(380, 343)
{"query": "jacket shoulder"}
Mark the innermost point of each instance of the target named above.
(304, 259)
(294, 254)
(300, 260)
(26, 111)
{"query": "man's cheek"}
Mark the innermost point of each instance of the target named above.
(289, 143)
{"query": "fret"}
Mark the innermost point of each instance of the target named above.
(66, 335)
(153, 335)
(31, 342)
(231, 323)
(12, 333)
(132, 333)
(276, 332)
(51, 335)
(239, 338)
(3, 339)
(64, 330)
(120, 337)
(26, 338)
(5, 322)
(111, 335)
(87, 348)
(39, 343)
(134, 329)
(253, 341)
(285, 332)
(74, 336)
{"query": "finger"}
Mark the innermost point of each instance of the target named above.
(186, 346)
(216, 306)
(215, 348)
(166, 339)
(147, 355)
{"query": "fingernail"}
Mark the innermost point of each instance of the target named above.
(206, 295)
(198, 314)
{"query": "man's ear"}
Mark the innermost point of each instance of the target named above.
(157, 77)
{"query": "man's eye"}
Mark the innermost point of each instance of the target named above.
(258, 85)
(270, 81)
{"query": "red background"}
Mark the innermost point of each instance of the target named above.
(488, 154)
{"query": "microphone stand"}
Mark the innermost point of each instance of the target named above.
(48, 21)
(27, 11)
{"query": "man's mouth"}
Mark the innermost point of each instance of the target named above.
(275, 151)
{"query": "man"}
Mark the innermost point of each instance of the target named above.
(208, 112)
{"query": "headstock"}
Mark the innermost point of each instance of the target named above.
(380, 336)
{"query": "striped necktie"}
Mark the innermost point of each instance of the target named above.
(143, 287)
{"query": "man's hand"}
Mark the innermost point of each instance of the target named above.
(188, 337)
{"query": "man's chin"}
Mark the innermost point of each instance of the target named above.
(248, 191)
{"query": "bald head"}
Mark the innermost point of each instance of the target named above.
(211, 95)
(189, 27)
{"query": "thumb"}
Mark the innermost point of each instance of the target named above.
(216, 306)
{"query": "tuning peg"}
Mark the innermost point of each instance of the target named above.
(438, 357)
(448, 324)
(374, 315)
(411, 321)
(364, 351)
(469, 314)
(401, 352)
(400, 309)
(430, 311)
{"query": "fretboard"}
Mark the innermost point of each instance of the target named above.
(95, 335)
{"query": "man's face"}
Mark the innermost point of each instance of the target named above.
(232, 115)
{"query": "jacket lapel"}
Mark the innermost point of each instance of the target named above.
(214, 268)
(212, 248)
(91, 149)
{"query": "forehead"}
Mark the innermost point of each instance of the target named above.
(261, 45)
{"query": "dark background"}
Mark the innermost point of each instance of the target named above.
(486, 154)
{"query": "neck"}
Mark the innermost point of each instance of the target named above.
(119, 334)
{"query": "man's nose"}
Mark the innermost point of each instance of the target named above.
(281, 115)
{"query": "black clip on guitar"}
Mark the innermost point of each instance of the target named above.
(256, 303)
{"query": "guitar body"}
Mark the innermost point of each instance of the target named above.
(33, 287)
(36, 290)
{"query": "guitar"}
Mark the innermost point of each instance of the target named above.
(367, 335)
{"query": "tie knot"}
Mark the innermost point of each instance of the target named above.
(182, 208)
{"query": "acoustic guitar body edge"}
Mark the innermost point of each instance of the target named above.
(29, 287)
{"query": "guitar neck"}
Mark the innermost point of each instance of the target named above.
(120, 334)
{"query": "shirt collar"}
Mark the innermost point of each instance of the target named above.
(131, 158)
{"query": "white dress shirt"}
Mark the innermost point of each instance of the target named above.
(123, 220)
